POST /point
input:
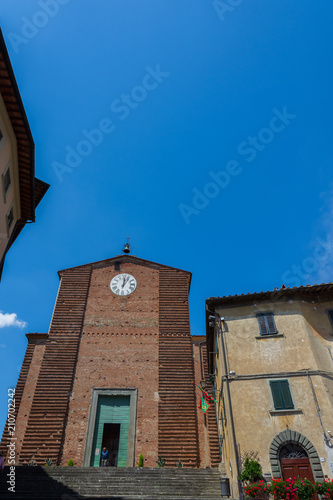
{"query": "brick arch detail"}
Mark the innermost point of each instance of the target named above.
(289, 436)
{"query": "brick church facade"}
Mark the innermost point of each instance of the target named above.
(116, 369)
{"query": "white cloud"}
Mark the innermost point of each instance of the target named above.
(7, 319)
(317, 266)
(325, 271)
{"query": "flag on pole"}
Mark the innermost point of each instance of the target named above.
(206, 400)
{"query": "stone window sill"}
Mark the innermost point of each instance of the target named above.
(271, 336)
(295, 411)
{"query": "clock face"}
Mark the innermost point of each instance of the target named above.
(123, 284)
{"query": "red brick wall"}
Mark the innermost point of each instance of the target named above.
(118, 349)
(211, 414)
(204, 451)
(43, 437)
(98, 339)
(29, 389)
(178, 438)
(25, 389)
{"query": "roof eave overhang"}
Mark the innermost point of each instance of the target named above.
(272, 296)
(25, 144)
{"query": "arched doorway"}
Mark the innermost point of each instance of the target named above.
(295, 462)
(293, 455)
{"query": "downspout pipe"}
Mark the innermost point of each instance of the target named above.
(226, 378)
(201, 362)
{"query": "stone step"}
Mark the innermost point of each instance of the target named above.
(112, 483)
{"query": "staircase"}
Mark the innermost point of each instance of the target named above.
(69, 483)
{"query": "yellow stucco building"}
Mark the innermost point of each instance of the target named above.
(20, 190)
(271, 356)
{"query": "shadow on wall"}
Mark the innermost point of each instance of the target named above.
(33, 482)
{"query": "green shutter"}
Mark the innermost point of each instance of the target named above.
(288, 402)
(266, 323)
(262, 324)
(277, 397)
(330, 313)
(281, 395)
(111, 410)
(271, 323)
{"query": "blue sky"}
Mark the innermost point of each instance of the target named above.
(200, 129)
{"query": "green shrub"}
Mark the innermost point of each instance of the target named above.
(140, 464)
(160, 462)
(252, 471)
(283, 489)
(48, 461)
(257, 490)
(325, 489)
(70, 463)
(305, 489)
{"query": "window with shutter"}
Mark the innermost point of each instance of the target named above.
(10, 218)
(281, 395)
(6, 179)
(266, 324)
(330, 313)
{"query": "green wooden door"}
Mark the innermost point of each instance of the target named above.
(111, 410)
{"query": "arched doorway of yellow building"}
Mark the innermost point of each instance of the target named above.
(295, 462)
(293, 455)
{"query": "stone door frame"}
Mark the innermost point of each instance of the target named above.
(101, 391)
(294, 437)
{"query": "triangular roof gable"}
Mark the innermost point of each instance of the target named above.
(127, 258)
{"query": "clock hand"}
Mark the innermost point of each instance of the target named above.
(125, 281)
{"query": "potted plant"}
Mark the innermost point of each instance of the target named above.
(257, 490)
(252, 475)
(252, 471)
(305, 489)
(325, 489)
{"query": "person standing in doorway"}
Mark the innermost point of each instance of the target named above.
(105, 457)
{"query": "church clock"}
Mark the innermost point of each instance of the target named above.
(123, 284)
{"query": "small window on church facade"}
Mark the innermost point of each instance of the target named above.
(117, 266)
(266, 324)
